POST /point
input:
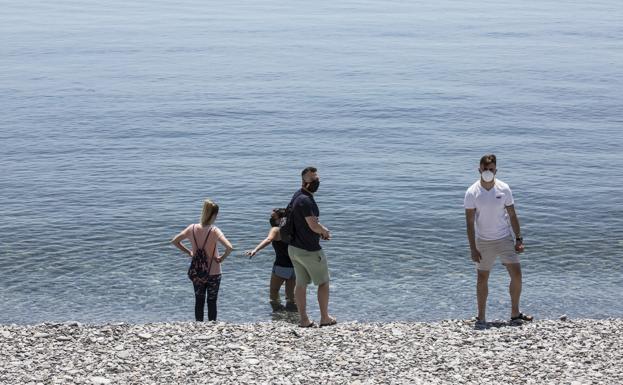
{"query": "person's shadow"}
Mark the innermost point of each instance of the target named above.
(498, 324)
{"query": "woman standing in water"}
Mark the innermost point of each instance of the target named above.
(205, 267)
(283, 270)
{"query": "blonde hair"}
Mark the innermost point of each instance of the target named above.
(210, 209)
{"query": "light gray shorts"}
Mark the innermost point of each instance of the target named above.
(310, 266)
(490, 250)
(283, 272)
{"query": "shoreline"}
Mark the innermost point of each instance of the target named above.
(576, 351)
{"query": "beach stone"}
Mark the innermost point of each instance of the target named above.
(100, 380)
(445, 352)
(41, 335)
(204, 338)
(5, 334)
(144, 336)
(397, 332)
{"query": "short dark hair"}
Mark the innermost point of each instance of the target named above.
(488, 159)
(307, 170)
(281, 212)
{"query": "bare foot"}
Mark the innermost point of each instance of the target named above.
(328, 322)
(307, 324)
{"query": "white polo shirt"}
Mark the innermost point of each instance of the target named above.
(492, 221)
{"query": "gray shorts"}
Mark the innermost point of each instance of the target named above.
(310, 266)
(490, 250)
(284, 272)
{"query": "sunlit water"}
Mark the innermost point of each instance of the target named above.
(119, 118)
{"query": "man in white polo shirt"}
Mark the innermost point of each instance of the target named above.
(489, 207)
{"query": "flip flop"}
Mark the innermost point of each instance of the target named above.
(330, 323)
(522, 317)
(309, 325)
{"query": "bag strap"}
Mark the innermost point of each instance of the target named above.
(205, 240)
(211, 258)
(193, 233)
(289, 225)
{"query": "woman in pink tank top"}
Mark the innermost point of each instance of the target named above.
(205, 266)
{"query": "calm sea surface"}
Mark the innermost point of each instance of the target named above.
(118, 118)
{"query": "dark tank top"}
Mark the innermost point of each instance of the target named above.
(281, 252)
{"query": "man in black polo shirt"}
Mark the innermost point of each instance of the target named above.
(310, 263)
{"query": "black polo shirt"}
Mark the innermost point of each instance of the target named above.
(303, 205)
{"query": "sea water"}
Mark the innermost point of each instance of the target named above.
(118, 118)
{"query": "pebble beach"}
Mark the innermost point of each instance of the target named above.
(447, 352)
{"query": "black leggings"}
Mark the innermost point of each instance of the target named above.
(212, 286)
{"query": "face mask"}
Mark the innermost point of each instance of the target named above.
(313, 186)
(487, 175)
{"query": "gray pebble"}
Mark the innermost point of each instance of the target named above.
(100, 380)
(446, 352)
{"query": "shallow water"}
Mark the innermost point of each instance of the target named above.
(119, 119)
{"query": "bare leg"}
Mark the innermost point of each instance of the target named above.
(482, 291)
(275, 286)
(300, 292)
(290, 283)
(323, 303)
(514, 288)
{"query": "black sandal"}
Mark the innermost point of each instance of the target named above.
(522, 317)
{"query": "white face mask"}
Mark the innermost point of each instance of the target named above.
(487, 175)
